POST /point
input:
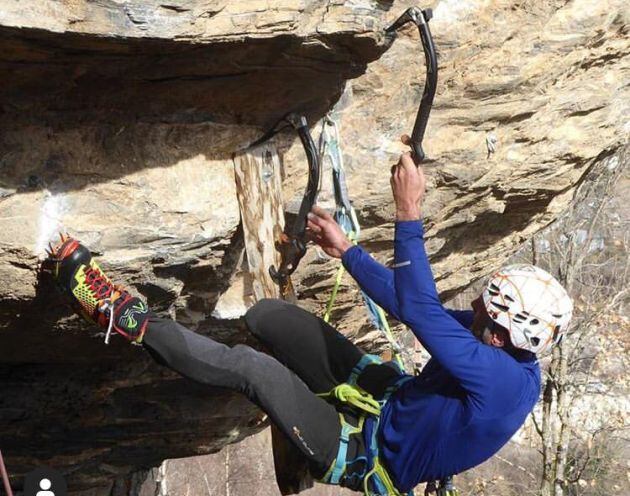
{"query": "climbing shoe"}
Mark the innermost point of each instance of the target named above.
(92, 294)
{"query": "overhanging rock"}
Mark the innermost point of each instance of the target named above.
(235, 62)
(118, 124)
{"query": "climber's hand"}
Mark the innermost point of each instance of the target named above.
(324, 231)
(408, 185)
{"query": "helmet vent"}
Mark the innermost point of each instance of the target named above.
(534, 322)
(503, 308)
(509, 298)
(519, 318)
(556, 315)
(535, 341)
(493, 289)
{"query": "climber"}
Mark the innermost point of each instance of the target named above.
(380, 431)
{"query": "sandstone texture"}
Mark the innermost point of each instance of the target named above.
(118, 123)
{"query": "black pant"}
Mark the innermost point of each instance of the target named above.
(310, 357)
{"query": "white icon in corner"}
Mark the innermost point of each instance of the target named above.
(45, 484)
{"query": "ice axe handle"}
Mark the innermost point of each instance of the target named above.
(418, 153)
(421, 19)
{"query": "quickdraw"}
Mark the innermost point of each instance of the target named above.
(292, 242)
(345, 215)
(421, 19)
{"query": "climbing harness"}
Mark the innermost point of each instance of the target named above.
(377, 477)
(421, 19)
(329, 149)
(5, 477)
(292, 243)
(363, 402)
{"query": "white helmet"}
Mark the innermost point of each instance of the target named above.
(530, 304)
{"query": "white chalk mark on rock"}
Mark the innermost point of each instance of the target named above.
(50, 221)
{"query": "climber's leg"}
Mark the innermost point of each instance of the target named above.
(313, 349)
(308, 421)
(320, 355)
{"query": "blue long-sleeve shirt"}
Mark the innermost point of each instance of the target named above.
(470, 398)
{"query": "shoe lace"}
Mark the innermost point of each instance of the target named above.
(106, 293)
(98, 283)
(108, 305)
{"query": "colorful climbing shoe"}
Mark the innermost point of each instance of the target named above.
(92, 294)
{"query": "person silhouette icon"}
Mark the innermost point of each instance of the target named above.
(45, 485)
(45, 481)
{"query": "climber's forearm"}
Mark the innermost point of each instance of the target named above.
(376, 280)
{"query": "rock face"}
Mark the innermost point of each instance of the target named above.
(118, 123)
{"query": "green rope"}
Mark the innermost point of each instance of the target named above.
(378, 469)
(333, 294)
(355, 396)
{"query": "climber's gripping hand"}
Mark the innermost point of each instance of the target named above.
(408, 186)
(325, 232)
